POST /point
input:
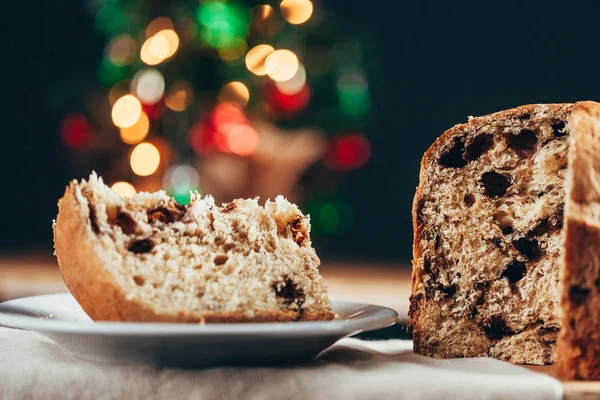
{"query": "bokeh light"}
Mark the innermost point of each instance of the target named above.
(172, 41)
(296, 11)
(198, 139)
(281, 65)
(180, 96)
(137, 132)
(235, 92)
(126, 111)
(75, 131)
(119, 90)
(145, 159)
(109, 74)
(232, 50)
(330, 216)
(154, 111)
(121, 50)
(227, 129)
(157, 25)
(148, 85)
(353, 93)
(222, 21)
(241, 139)
(159, 46)
(336, 216)
(287, 104)
(265, 21)
(263, 12)
(180, 178)
(227, 113)
(348, 152)
(147, 56)
(295, 84)
(110, 18)
(124, 189)
(256, 57)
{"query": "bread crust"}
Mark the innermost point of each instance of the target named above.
(419, 309)
(99, 294)
(578, 347)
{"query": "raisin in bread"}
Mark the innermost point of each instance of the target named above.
(578, 348)
(487, 217)
(150, 258)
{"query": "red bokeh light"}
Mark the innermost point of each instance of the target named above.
(227, 129)
(348, 152)
(287, 104)
(200, 139)
(228, 113)
(75, 131)
(153, 111)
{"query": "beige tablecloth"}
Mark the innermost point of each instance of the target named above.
(34, 367)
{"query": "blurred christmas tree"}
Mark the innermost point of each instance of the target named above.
(226, 98)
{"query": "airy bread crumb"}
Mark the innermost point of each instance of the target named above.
(149, 258)
(487, 220)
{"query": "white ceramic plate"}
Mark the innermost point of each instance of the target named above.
(59, 317)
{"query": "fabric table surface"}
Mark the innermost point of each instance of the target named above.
(33, 366)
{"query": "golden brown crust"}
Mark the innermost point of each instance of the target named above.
(101, 297)
(578, 347)
(420, 309)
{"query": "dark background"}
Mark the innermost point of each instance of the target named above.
(437, 63)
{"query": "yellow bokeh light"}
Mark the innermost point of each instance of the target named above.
(294, 85)
(180, 96)
(159, 46)
(172, 40)
(147, 56)
(234, 50)
(118, 90)
(296, 11)
(265, 20)
(157, 25)
(137, 132)
(281, 65)
(236, 92)
(256, 59)
(144, 159)
(124, 189)
(126, 111)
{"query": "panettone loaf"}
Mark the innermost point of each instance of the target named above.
(487, 217)
(149, 258)
(578, 349)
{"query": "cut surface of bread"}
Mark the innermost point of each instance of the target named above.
(578, 349)
(149, 258)
(487, 218)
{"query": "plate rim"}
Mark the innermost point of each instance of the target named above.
(381, 318)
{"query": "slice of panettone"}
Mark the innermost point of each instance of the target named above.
(149, 258)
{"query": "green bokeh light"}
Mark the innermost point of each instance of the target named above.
(109, 74)
(110, 18)
(183, 196)
(354, 99)
(330, 216)
(222, 23)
